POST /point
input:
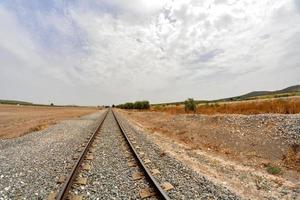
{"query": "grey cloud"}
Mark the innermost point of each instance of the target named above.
(139, 40)
(208, 56)
(220, 1)
(265, 36)
(223, 21)
(297, 3)
(168, 15)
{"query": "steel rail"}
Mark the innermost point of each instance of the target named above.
(64, 191)
(159, 191)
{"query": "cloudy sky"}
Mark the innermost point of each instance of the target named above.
(92, 52)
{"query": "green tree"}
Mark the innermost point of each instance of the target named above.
(190, 105)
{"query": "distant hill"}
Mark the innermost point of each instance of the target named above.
(286, 92)
(15, 102)
(24, 103)
(295, 88)
(289, 91)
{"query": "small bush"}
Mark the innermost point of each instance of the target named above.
(158, 107)
(273, 169)
(190, 105)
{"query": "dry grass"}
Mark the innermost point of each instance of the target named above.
(292, 158)
(281, 106)
(16, 121)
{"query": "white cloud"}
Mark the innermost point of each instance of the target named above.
(157, 50)
(140, 6)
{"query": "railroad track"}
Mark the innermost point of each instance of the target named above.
(155, 189)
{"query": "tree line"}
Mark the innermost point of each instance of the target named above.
(136, 105)
(190, 105)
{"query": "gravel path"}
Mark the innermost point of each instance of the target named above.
(110, 177)
(31, 165)
(187, 183)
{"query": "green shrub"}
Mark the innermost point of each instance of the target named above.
(138, 105)
(273, 169)
(146, 104)
(128, 105)
(190, 105)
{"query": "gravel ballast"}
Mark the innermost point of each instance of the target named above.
(31, 165)
(110, 176)
(187, 184)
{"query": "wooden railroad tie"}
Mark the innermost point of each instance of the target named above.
(70, 166)
(127, 155)
(145, 193)
(75, 157)
(94, 145)
(86, 167)
(75, 197)
(146, 161)
(167, 186)
(141, 153)
(61, 179)
(137, 176)
(79, 150)
(91, 150)
(155, 171)
(80, 181)
(132, 164)
(51, 196)
(89, 157)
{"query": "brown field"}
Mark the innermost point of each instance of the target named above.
(16, 121)
(237, 136)
(238, 150)
(280, 106)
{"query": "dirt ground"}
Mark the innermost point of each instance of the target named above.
(16, 120)
(235, 150)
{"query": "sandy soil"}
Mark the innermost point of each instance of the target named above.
(231, 149)
(16, 121)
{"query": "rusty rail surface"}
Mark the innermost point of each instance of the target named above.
(64, 190)
(159, 191)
